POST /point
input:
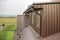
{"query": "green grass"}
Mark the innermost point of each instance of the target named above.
(3, 35)
(7, 20)
(10, 27)
(8, 31)
(10, 35)
(7, 35)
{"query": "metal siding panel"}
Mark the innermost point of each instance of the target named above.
(56, 24)
(55, 0)
(53, 19)
(48, 31)
(44, 20)
(59, 17)
(49, 19)
(42, 32)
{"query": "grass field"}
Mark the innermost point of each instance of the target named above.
(7, 32)
(7, 20)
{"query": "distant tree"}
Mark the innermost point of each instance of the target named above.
(3, 24)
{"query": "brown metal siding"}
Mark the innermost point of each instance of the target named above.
(44, 20)
(30, 19)
(55, 0)
(50, 19)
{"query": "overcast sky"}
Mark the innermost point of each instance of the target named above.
(15, 7)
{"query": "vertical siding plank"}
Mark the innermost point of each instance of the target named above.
(42, 32)
(47, 27)
(53, 18)
(46, 31)
(58, 18)
(44, 24)
(56, 24)
(49, 19)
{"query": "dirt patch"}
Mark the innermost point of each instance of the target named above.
(1, 27)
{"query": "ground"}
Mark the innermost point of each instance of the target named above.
(1, 27)
(8, 29)
(28, 34)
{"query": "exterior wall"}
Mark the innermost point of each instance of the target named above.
(50, 19)
(55, 0)
(21, 24)
(22, 21)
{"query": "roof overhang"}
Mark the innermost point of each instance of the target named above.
(34, 6)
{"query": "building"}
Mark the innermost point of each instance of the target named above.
(44, 18)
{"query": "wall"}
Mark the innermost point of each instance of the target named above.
(55, 0)
(50, 19)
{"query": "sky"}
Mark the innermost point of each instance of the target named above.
(16, 7)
